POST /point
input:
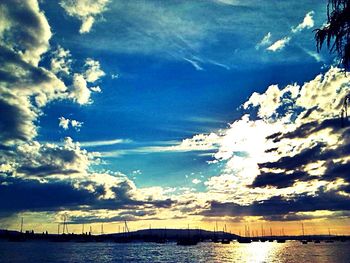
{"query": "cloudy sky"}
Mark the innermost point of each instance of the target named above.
(170, 112)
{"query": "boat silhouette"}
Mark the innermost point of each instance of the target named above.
(244, 240)
(187, 240)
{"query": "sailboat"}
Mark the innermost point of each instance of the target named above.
(282, 238)
(225, 240)
(246, 239)
(215, 238)
(124, 238)
(329, 240)
(303, 241)
(188, 240)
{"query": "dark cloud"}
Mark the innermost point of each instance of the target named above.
(293, 166)
(31, 195)
(123, 191)
(44, 160)
(279, 206)
(280, 180)
(306, 129)
(19, 195)
(15, 122)
(45, 170)
(26, 29)
(299, 217)
(271, 150)
(290, 217)
(20, 94)
(95, 216)
(338, 170)
(38, 176)
(294, 162)
(30, 76)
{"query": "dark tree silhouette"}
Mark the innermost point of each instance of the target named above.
(336, 33)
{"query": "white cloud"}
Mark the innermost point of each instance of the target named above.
(61, 61)
(23, 95)
(76, 124)
(36, 35)
(79, 90)
(85, 10)
(65, 123)
(227, 2)
(271, 100)
(104, 143)
(265, 41)
(194, 63)
(115, 76)
(323, 96)
(196, 181)
(50, 162)
(307, 23)
(249, 142)
(136, 172)
(93, 70)
(200, 142)
(96, 89)
(28, 87)
(86, 25)
(279, 44)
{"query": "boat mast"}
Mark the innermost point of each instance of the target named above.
(302, 228)
(64, 224)
(126, 227)
(22, 225)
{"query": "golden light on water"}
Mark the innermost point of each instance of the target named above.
(253, 252)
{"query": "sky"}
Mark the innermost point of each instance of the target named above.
(169, 113)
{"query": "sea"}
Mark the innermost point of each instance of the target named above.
(291, 251)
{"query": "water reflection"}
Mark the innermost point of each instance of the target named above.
(273, 252)
(253, 252)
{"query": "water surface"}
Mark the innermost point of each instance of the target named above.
(291, 251)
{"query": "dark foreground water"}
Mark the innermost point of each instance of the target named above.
(292, 251)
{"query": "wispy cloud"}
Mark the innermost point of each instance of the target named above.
(266, 40)
(194, 63)
(307, 23)
(279, 44)
(198, 143)
(91, 144)
(203, 120)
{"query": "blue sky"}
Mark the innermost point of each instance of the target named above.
(162, 106)
(158, 95)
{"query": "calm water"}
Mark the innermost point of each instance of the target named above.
(148, 252)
